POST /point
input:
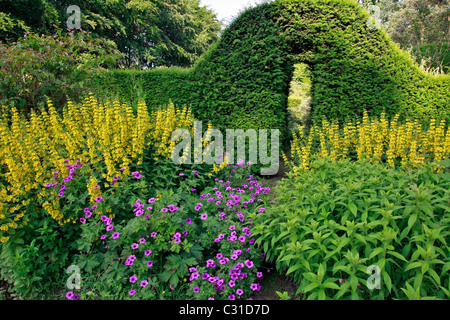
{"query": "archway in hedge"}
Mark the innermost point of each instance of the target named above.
(243, 81)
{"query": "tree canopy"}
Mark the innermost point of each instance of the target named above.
(150, 33)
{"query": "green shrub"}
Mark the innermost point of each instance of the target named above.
(37, 68)
(337, 224)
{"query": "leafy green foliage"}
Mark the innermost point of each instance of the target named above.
(332, 223)
(37, 68)
(148, 33)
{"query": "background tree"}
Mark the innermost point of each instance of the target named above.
(149, 32)
(419, 26)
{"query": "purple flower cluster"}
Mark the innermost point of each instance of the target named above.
(72, 169)
(236, 275)
(136, 174)
(71, 296)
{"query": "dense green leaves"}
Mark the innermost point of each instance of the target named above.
(37, 68)
(148, 32)
(329, 251)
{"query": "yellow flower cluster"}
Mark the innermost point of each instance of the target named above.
(32, 149)
(373, 139)
(168, 120)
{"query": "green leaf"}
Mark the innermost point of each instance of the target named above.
(413, 265)
(387, 280)
(294, 267)
(425, 267)
(376, 252)
(310, 287)
(397, 255)
(435, 276)
(331, 285)
(353, 209)
(321, 295)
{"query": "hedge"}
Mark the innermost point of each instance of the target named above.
(243, 80)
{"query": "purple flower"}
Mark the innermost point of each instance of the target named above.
(153, 234)
(103, 237)
(188, 221)
(210, 263)
(69, 295)
(204, 216)
(151, 200)
(134, 246)
(60, 194)
(150, 264)
(231, 297)
(110, 227)
(96, 186)
(254, 286)
(181, 174)
(259, 274)
(99, 199)
(94, 207)
(194, 276)
(131, 292)
(239, 292)
(144, 283)
(142, 240)
(133, 279)
(82, 220)
(196, 289)
(115, 235)
(164, 209)
(205, 276)
(231, 283)
(148, 252)
(241, 238)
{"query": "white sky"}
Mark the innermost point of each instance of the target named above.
(227, 9)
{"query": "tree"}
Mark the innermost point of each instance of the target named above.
(149, 32)
(419, 26)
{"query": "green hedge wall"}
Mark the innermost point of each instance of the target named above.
(243, 81)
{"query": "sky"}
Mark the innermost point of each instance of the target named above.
(227, 9)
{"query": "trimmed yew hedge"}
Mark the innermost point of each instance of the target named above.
(243, 81)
